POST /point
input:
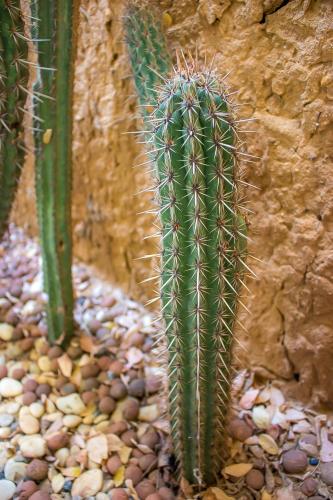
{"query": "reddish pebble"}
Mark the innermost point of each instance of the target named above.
(145, 488)
(3, 371)
(28, 398)
(166, 494)
(89, 384)
(309, 486)
(239, 429)
(153, 384)
(90, 370)
(61, 381)
(107, 405)
(118, 494)
(131, 409)
(27, 344)
(104, 363)
(30, 385)
(43, 389)
(150, 439)
(137, 339)
(116, 367)
(147, 461)
(17, 334)
(134, 473)
(255, 479)
(136, 388)
(103, 391)
(154, 496)
(117, 428)
(55, 352)
(26, 489)
(40, 495)
(113, 464)
(57, 440)
(74, 352)
(294, 461)
(18, 373)
(129, 436)
(118, 390)
(37, 470)
(88, 397)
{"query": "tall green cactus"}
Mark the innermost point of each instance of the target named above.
(55, 42)
(149, 57)
(14, 76)
(202, 260)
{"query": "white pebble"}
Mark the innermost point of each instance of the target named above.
(6, 331)
(88, 484)
(29, 424)
(71, 404)
(7, 489)
(57, 483)
(32, 446)
(6, 419)
(36, 409)
(15, 471)
(10, 387)
(62, 456)
(71, 421)
(4, 432)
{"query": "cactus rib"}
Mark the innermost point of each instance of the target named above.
(203, 244)
(55, 41)
(14, 77)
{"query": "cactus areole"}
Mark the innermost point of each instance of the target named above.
(202, 260)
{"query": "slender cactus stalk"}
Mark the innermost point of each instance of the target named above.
(55, 43)
(147, 48)
(14, 77)
(202, 260)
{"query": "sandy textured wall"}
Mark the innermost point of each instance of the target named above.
(278, 54)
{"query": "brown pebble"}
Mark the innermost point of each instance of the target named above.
(118, 390)
(74, 352)
(26, 489)
(294, 461)
(94, 325)
(103, 390)
(136, 453)
(28, 398)
(89, 384)
(55, 352)
(61, 381)
(309, 486)
(54, 365)
(30, 385)
(3, 371)
(131, 409)
(239, 429)
(43, 389)
(13, 319)
(15, 290)
(40, 495)
(27, 344)
(147, 461)
(57, 440)
(118, 494)
(104, 363)
(166, 494)
(117, 428)
(326, 472)
(134, 473)
(153, 384)
(136, 388)
(154, 496)
(90, 370)
(113, 464)
(17, 334)
(18, 373)
(68, 389)
(145, 488)
(37, 470)
(116, 367)
(255, 479)
(44, 349)
(88, 397)
(107, 405)
(150, 439)
(128, 436)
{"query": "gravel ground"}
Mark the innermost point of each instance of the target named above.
(90, 423)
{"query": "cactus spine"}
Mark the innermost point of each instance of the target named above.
(202, 260)
(149, 57)
(54, 33)
(13, 94)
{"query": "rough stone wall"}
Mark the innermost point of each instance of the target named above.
(278, 54)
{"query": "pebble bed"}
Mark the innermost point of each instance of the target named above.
(89, 422)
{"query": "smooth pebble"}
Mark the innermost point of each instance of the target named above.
(88, 484)
(71, 404)
(7, 489)
(10, 387)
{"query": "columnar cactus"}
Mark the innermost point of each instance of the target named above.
(55, 43)
(13, 94)
(149, 57)
(202, 260)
